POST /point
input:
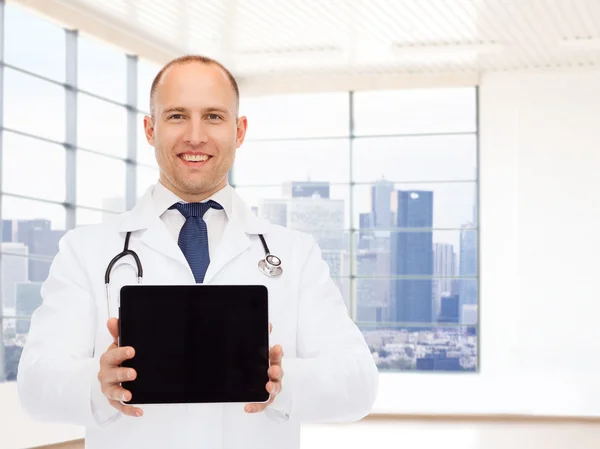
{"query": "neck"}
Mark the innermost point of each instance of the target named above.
(193, 197)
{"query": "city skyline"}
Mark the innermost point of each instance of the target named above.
(436, 295)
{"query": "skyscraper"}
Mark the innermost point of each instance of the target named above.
(29, 298)
(44, 243)
(13, 269)
(41, 241)
(381, 204)
(449, 312)
(444, 269)
(372, 295)
(414, 257)
(468, 266)
(304, 209)
(306, 189)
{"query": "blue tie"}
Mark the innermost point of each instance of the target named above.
(193, 238)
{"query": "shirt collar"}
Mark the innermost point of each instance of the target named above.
(163, 198)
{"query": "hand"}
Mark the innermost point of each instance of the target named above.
(111, 374)
(275, 376)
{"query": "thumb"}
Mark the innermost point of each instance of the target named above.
(113, 328)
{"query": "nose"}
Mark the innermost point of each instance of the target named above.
(195, 133)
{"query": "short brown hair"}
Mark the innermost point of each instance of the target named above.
(187, 59)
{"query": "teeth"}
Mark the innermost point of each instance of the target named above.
(195, 157)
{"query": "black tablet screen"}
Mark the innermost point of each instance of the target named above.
(196, 343)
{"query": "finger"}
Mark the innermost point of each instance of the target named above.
(128, 410)
(117, 375)
(113, 328)
(255, 408)
(116, 356)
(270, 327)
(117, 393)
(274, 388)
(276, 354)
(275, 373)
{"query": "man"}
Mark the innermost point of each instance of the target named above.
(321, 368)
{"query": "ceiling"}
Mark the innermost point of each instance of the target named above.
(362, 38)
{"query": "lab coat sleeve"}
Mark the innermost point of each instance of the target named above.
(333, 377)
(58, 373)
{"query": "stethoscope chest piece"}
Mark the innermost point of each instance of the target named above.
(270, 265)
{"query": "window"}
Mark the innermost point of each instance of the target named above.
(101, 69)
(36, 165)
(392, 203)
(386, 182)
(33, 44)
(101, 126)
(294, 116)
(33, 106)
(100, 182)
(29, 163)
(146, 71)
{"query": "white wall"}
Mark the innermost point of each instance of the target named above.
(540, 240)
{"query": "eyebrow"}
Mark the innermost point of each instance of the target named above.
(206, 110)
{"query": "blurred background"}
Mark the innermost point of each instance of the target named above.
(444, 154)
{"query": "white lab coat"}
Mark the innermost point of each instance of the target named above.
(329, 373)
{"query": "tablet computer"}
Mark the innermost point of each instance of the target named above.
(196, 343)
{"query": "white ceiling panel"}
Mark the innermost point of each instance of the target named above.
(363, 37)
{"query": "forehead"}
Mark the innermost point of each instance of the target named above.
(195, 86)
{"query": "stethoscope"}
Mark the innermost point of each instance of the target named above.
(269, 266)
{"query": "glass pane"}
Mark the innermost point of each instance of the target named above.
(27, 159)
(431, 253)
(335, 250)
(439, 349)
(440, 205)
(418, 159)
(297, 115)
(418, 301)
(44, 214)
(100, 182)
(145, 152)
(33, 43)
(102, 69)
(146, 72)
(313, 160)
(10, 352)
(84, 217)
(415, 111)
(101, 126)
(146, 177)
(34, 106)
(31, 231)
(294, 205)
(22, 276)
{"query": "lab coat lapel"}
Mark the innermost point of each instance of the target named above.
(233, 243)
(154, 234)
(241, 223)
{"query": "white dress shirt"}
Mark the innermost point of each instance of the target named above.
(215, 219)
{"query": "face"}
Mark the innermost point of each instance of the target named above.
(195, 130)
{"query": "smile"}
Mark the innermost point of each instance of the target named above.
(195, 157)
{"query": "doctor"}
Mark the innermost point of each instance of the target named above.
(321, 368)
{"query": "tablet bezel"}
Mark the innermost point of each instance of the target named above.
(215, 293)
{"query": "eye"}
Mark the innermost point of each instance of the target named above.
(214, 117)
(176, 116)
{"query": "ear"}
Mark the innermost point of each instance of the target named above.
(242, 126)
(149, 129)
